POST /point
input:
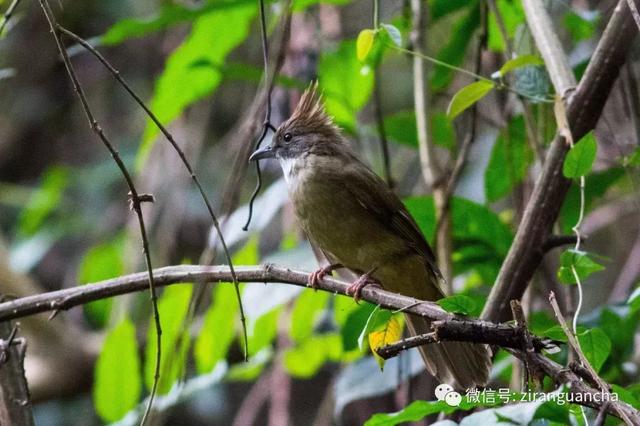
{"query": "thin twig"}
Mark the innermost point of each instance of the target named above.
(134, 197)
(575, 345)
(266, 125)
(632, 8)
(169, 137)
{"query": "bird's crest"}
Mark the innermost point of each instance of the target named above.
(310, 113)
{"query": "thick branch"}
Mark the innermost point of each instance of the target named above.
(544, 205)
(70, 297)
(15, 404)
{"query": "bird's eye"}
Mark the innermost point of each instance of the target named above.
(287, 137)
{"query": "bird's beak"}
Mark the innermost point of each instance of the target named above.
(262, 153)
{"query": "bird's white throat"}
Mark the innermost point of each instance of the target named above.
(290, 167)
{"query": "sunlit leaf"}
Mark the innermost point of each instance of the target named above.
(348, 90)
(519, 62)
(580, 158)
(262, 331)
(389, 333)
(378, 318)
(118, 383)
(364, 43)
(212, 38)
(101, 262)
(509, 161)
(584, 266)
(467, 96)
(173, 306)
(300, 5)
(634, 300)
(458, 304)
(218, 329)
(308, 307)
(306, 359)
(512, 16)
(596, 346)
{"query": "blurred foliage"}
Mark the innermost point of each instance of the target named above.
(212, 56)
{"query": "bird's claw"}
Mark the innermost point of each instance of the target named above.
(320, 273)
(355, 289)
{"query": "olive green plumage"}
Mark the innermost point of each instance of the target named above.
(349, 213)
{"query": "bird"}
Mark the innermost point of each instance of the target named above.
(351, 215)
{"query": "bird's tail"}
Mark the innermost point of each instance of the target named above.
(462, 365)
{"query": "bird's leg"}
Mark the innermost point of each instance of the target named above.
(364, 280)
(319, 274)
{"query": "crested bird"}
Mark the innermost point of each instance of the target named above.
(350, 214)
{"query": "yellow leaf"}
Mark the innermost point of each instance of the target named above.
(390, 333)
(364, 43)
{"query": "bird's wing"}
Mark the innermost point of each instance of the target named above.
(373, 194)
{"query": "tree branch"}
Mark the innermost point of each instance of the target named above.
(583, 112)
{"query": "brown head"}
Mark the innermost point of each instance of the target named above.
(309, 130)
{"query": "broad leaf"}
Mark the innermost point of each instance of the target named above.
(394, 34)
(509, 162)
(580, 158)
(117, 383)
(584, 266)
(173, 306)
(43, 201)
(307, 309)
(348, 90)
(218, 329)
(212, 38)
(401, 128)
(596, 346)
(519, 62)
(467, 96)
(459, 304)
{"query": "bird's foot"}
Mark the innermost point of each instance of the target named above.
(355, 289)
(319, 274)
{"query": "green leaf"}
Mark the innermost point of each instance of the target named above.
(306, 359)
(581, 261)
(519, 62)
(394, 34)
(117, 382)
(262, 331)
(173, 306)
(633, 159)
(458, 304)
(510, 159)
(441, 8)
(348, 90)
(417, 411)
(218, 329)
(454, 51)
(580, 28)
(352, 318)
(306, 311)
(213, 37)
(634, 300)
(625, 395)
(170, 14)
(364, 43)
(101, 262)
(400, 127)
(512, 16)
(43, 201)
(580, 158)
(556, 333)
(596, 346)
(300, 5)
(467, 96)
